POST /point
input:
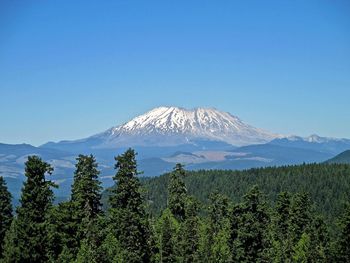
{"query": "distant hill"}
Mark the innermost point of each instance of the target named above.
(343, 157)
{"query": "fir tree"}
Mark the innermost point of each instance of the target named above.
(177, 192)
(28, 238)
(73, 221)
(252, 243)
(127, 214)
(86, 198)
(5, 211)
(86, 189)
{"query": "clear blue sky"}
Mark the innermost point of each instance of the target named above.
(69, 69)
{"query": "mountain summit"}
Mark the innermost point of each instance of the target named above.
(167, 126)
(200, 138)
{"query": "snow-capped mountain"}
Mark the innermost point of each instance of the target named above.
(201, 138)
(314, 142)
(168, 126)
(314, 138)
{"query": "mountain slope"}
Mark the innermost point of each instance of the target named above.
(343, 157)
(170, 126)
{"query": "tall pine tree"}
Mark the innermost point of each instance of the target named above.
(76, 220)
(177, 192)
(86, 195)
(28, 237)
(86, 189)
(127, 213)
(252, 242)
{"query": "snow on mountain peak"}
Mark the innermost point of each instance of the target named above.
(174, 125)
(165, 119)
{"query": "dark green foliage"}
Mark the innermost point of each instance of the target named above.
(299, 216)
(5, 212)
(28, 238)
(215, 235)
(299, 234)
(87, 253)
(282, 209)
(86, 189)
(281, 246)
(63, 228)
(280, 227)
(319, 241)
(168, 230)
(252, 243)
(177, 192)
(343, 242)
(86, 199)
(12, 246)
(218, 210)
(77, 220)
(91, 247)
(189, 238)
(111, 250)
(301, 250)
(128, 218)
(327, 185)
(66, 256)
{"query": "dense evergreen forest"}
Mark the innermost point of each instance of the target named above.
(286, 214)
(328, 185)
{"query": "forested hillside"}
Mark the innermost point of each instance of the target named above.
(343, 157)
(327, 184)
(259, 215)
